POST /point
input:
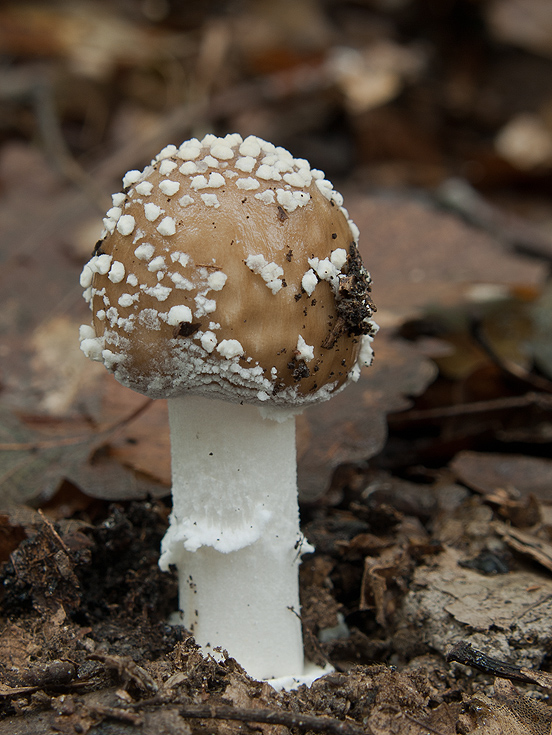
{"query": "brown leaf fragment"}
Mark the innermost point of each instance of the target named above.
(397, 249)
(352, 427)
(509, 713)
(128, 671)
(446, 603)
(485, 472)
(527, 544)
(15, 646)
(7, 691)
(143, 445)
(521, 513)
(67, 502)
(442, 720)
(33, 465)
(384, 580)
(363, 544)
(542, 678)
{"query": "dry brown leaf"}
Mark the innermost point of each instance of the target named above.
(509, 712)
(400, 708)
(383, 580)
(486, 472)
(441, 720)
(145, 444)
(352, 426)
(16, 645)
(527, 544)
(542, 678)
(418, 256)
(448, 603)
(35, 466)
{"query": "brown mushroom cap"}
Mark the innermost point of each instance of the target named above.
(229, 268)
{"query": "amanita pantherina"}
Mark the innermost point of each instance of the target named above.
(228, 280)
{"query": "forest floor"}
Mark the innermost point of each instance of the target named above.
(425, 488)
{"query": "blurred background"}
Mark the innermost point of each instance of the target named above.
(434, 117)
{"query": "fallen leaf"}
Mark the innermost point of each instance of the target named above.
(527, 544)
(352, 426)
(419, 255)
(144, 445)
(449, 602)
(34, 466)
(486, 472)
(509, 712)
(384, 580)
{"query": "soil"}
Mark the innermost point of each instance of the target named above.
(86, 647)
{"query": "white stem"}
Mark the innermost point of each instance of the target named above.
(234, 532)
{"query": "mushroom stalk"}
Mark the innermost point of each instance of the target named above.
(234, 532)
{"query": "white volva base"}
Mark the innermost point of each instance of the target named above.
(310, 673)
(234, 533)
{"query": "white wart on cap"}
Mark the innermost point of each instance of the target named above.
(229, 268)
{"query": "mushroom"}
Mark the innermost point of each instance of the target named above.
(228, 281)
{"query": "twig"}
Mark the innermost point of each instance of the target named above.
(116, 713)
(273, 717)
(465, 653)
(475, 407)
(329, 725)
(50, 526)
(423, 726)
(517, 234)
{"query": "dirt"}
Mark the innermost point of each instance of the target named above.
(85, 646)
